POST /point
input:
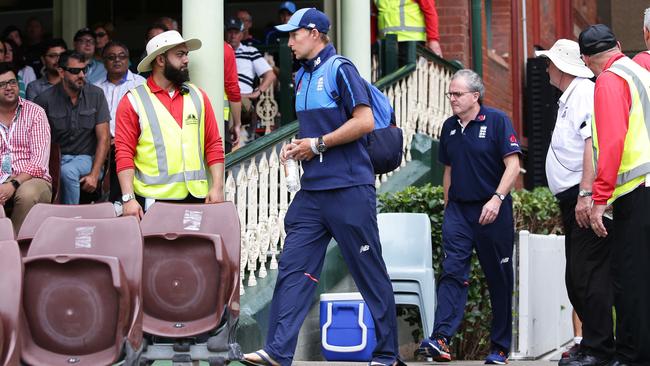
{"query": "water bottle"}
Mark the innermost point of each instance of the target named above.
(292, 175)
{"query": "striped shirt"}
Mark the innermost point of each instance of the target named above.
(250, 64)
(29, 141)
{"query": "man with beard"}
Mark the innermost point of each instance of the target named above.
(166, 135)
(78, 115)
(24, 150)
(50, 59)
(119, 80)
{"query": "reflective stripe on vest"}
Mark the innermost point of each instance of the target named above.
(401, 17)
(165, 184)
(635, 161)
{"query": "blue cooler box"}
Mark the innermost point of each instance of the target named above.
(347, 328)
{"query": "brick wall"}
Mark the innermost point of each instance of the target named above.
(454, 28)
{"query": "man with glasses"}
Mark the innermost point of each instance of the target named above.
(119, 80)
(78, 115)
(166, 135)
(24, 151)
(480, 151)
(50, 59)
(85, 42)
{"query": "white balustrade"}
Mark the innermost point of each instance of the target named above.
(258, 185)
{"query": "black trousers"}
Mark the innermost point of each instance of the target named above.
(588, 278)
(631, 270)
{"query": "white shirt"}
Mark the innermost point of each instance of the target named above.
(250, 63)
(572, 128)
(114, 93)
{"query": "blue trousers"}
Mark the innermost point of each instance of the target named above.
(314, 217)
(461, 233)
(73, 167)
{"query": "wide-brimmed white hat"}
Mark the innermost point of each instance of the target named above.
(161, 43)
(565, 54)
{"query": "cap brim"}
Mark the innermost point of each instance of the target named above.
(286, 27)
(576, 70)
(193, 44)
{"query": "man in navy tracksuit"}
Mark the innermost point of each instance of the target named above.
(480, 151)
(337, 198)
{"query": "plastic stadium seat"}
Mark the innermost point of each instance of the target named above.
(82, 292)
(191, 272)
(11, 284)
(6, 229)
(406, 248)
(41, 211)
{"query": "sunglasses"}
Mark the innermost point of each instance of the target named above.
(10, 82)
(76, 70)
(100, 34)
(113, 58)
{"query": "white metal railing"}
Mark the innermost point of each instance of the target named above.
(257, 185)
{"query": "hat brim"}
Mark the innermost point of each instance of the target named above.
(193, 44)
(575, 70)
(287, 27)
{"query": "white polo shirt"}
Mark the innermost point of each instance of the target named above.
(572, 128)
(250, 63)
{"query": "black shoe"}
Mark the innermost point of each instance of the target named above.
(589, 360)
(571, 355)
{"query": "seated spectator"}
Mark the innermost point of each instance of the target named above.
(78, 115)
(103, 35)
(285, 12)
(119, 81)
(50, 58)
(250, 65)
(247, 20)
(24, 151)
(13, 33)
(153, 30)
(14, 57)
(34, 43)
(85, 43)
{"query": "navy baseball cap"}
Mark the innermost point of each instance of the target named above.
(288, 6)
(595, 39)
(234, 23)
(308, 18)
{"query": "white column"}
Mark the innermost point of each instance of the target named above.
(72, 15)
(204, 20)
(355, 34)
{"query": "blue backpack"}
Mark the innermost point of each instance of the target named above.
(385, 142)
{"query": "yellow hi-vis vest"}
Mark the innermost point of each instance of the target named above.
(401, 17)
(635, 162)
(170, 160)
(226, 108)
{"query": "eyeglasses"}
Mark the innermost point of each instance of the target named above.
(10, 82)
(113, 58)
(86, 40)
(53, 55)
(100, 34)
(457, 95)
(76, 70)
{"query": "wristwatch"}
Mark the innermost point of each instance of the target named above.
(127, 197)
(320, 146)
(15, 183)
(501, 196)
(584, 193)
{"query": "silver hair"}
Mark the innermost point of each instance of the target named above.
(646, 19)
(473, 81)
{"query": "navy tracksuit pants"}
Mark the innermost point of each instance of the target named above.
(314, 217)
(461, 233)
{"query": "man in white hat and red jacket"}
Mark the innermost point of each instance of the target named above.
(166, 135)
(570, 174)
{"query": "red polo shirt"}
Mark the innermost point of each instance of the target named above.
(127, 127)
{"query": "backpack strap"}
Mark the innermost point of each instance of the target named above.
(332, 68)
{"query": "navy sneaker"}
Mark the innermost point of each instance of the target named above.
(496, 358)
(436, 348)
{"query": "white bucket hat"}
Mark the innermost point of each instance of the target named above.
(565, 55)
(161, 43)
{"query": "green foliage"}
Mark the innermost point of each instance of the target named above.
(535, 211)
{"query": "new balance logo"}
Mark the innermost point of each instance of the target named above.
(364, 248)
(505, 260)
